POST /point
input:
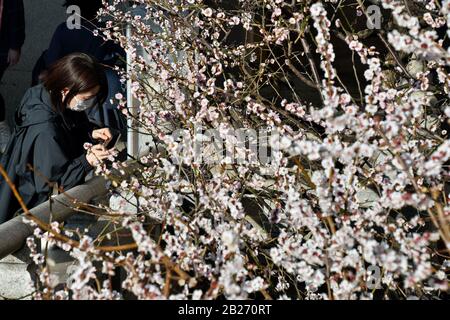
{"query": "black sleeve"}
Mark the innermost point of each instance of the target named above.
(16, 23)
(85, 129)
(54, 52)
(52, 164)
(82, 131)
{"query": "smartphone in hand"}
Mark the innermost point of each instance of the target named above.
(114, 141)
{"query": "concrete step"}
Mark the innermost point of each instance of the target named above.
(15, 281)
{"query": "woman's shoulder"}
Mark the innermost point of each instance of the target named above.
(46, 130)
(35, 108)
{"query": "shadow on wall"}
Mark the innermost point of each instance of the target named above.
(41, 19)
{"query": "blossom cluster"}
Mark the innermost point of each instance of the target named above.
(354, 202)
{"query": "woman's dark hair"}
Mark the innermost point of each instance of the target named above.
(89, 8)
(79, 73)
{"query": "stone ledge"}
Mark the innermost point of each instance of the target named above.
(15, 281)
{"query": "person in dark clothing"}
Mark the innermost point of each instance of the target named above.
(67, 40)
(12, 37)
(50, 132)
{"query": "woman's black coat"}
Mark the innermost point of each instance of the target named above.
(52, 143)
(66, 41)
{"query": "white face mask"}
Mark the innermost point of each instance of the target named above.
(82, 105)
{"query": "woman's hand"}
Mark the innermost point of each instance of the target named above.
(13, 57)
(97, 154)
(102, 134)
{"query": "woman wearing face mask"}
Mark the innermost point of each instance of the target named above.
(50, 132)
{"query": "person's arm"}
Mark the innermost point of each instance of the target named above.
(16, 24)
(85, 127)
(52, 164)
(55, 50)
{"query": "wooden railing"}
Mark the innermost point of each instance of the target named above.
(13, 233)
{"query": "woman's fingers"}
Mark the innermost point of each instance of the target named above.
(101, 152)
(103, 134)
(98, 149)
(98, 153)
(107, 136)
